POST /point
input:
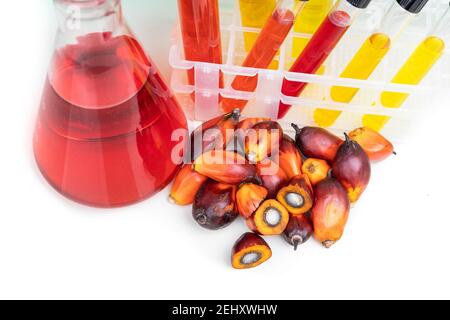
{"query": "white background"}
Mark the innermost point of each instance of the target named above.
(395, 246)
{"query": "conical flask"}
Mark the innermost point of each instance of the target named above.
(106, 121)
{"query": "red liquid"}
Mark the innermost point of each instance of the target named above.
(200, 27)
(316, 52)
(262, 54)
(103, 136)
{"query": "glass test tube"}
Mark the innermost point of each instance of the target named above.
(371, 54)
(254, 14)
(265, 49)
(200, 28)
(312, 15)
(321, 45)
(415, 69)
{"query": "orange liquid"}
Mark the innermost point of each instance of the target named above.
(200, 27)
(262, 54)
(103, 135)
(315, 54)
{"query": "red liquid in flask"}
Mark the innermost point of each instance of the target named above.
(103, 136)
(316, 52)
(262, 54)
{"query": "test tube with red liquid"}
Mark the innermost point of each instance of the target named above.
(323, 42)
(200, 28)
(264, 50)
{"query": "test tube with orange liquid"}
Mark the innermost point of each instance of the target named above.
(200, 28)
(265, 48)
(254, 14)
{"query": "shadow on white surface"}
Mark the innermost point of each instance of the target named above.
(395, 245)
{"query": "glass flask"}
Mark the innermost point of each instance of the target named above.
(104, 129)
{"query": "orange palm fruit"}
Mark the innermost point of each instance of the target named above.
(186, 185)
(245, 125)
(330, 212)
(249, 197)
(377, 147)
(263, 140)
(317, 170)
(250, 251)
(290, 159)
(316, 142)
(352, 169)
(272, 177)
(225, 166)
(271, 218)
(214, 134)
(298, 196)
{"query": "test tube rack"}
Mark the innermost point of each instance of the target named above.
(265, 100)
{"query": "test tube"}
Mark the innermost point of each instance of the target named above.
(312, 15)
(415, 69)
(265, 48)
(200, 28)
(321, 45)
(254, 14)
(371, 53)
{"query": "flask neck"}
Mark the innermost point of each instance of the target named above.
(80, 17)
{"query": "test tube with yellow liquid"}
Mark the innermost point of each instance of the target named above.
(415, 69)
(371, 54)
(310, 19)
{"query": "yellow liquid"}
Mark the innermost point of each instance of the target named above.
(254, 14)
(413, 72)
(309, 20)
(360, 67)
